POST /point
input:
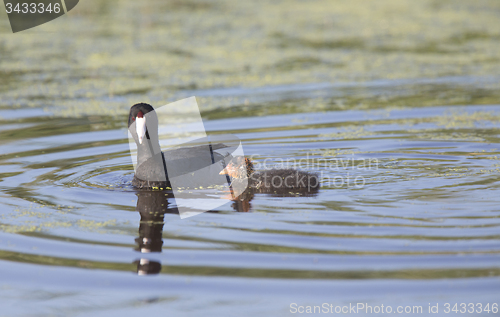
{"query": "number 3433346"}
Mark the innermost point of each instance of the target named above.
(28, 8)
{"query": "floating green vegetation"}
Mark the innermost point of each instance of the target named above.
(93, 224)
(110, 57)
(462, 119)
(454, 136)
(336, 152)
(30, 226)
(31, 220)
(456, 125)
(398, 96)
(351, 132)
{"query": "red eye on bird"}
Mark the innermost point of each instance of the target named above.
(139, 115)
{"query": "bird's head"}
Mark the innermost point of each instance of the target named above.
(240, 167)
(137, 115)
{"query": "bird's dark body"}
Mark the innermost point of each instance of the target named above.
(283, 179)
(177, 161)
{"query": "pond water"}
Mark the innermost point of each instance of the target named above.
(407, 213)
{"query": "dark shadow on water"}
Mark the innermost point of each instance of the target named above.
(153, 205)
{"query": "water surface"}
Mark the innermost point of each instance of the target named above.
(399, 101)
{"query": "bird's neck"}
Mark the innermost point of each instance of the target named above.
(147, 150)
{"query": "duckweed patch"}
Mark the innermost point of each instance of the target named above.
(193, 47)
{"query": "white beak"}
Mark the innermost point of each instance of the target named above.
(140, 127)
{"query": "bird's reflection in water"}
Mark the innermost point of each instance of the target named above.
(242, 203)
(153, 205)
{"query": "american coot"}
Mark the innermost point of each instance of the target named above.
(286, 180)
(152, 163)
